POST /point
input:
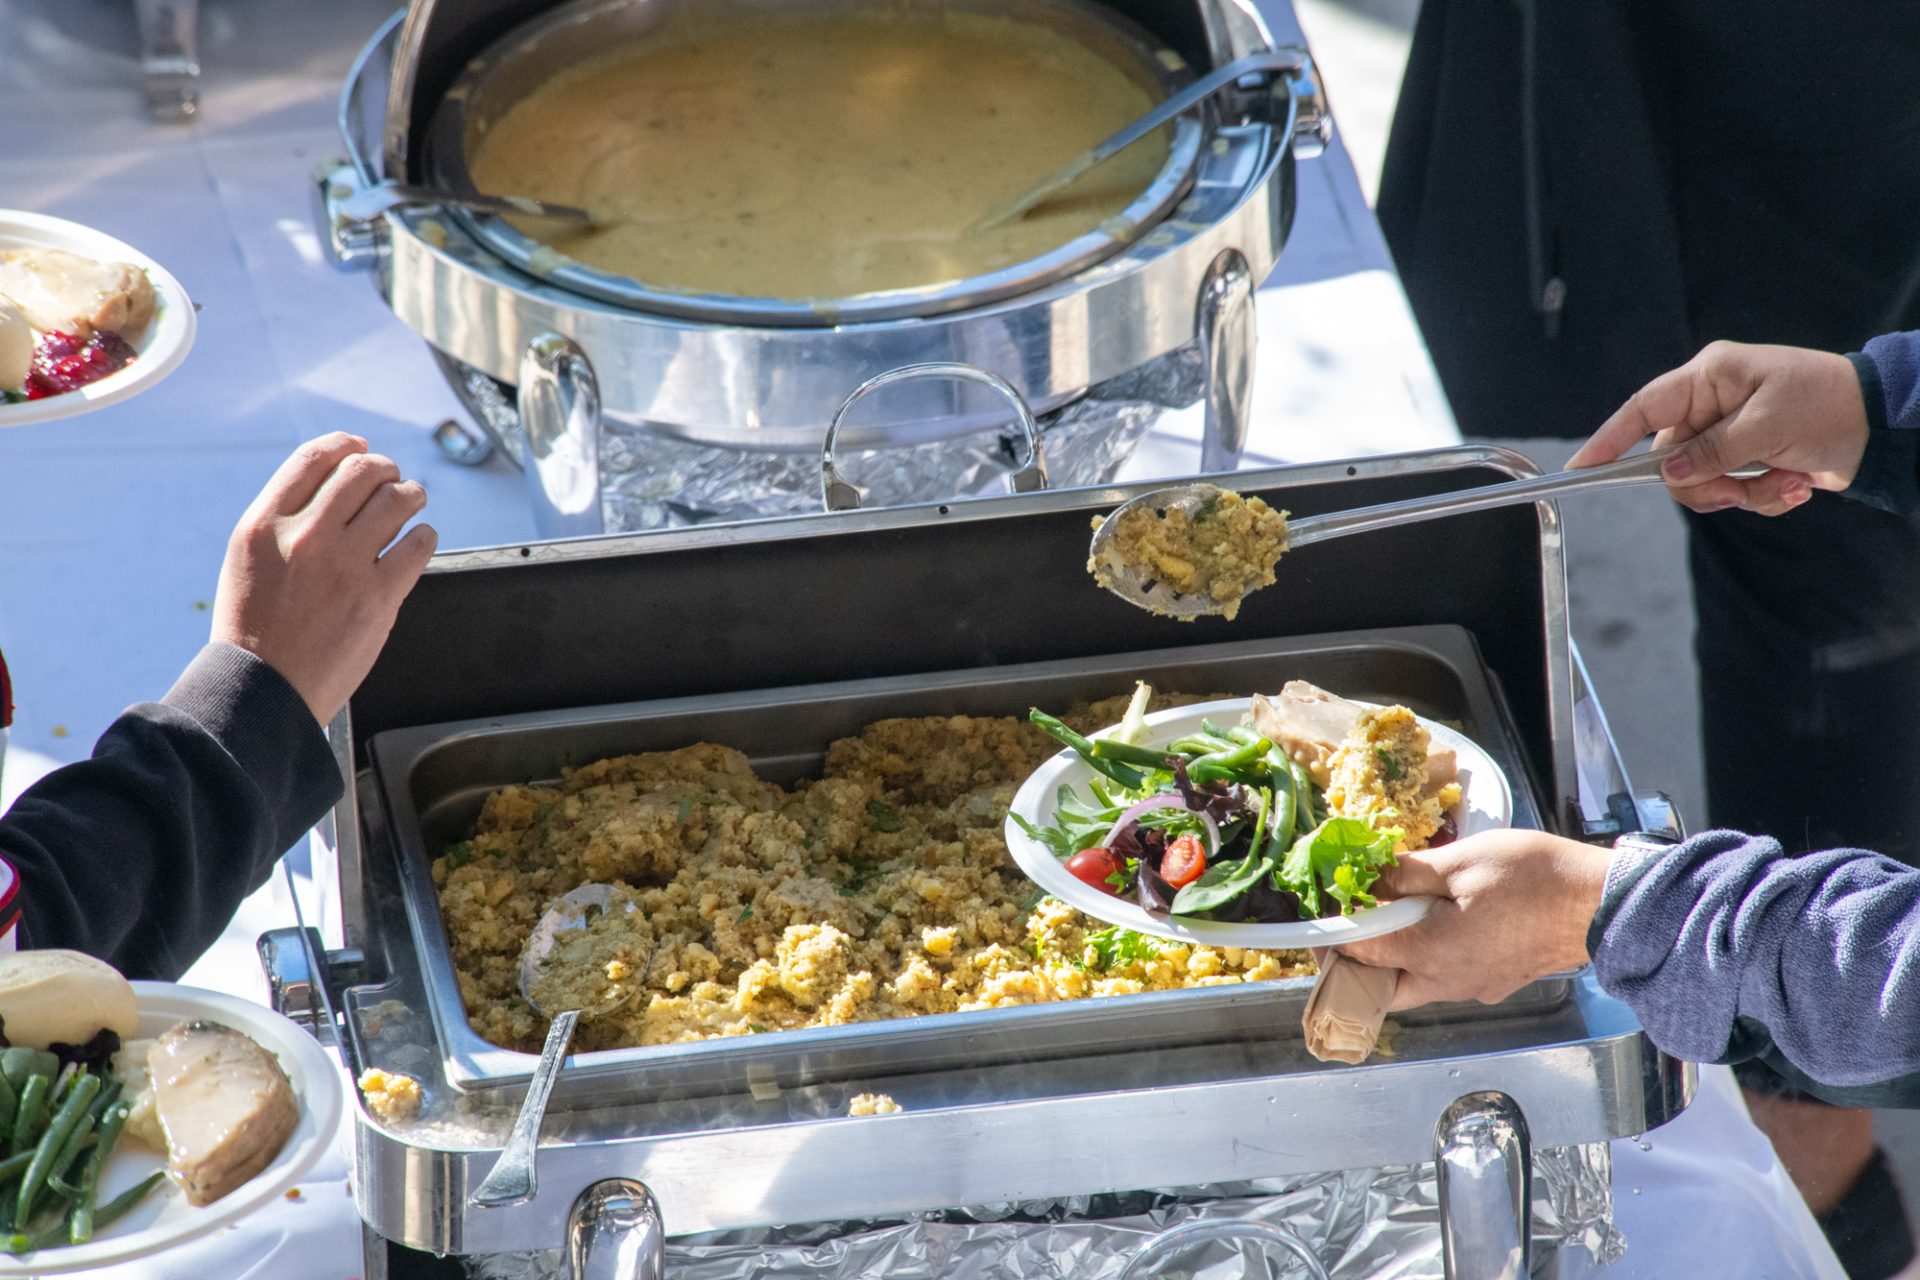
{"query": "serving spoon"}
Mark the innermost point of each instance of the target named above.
(1136, 584)
(1101, 152)
(512, 1179)
(365, 206)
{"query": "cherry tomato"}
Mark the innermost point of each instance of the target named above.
(1183, 861)
(1094, 865)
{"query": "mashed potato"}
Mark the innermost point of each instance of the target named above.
(882, 889)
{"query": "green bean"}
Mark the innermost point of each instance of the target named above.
(1222, 765)
(1127, 753)
(1194, 745)
(82, 1137)
(1286, 816)
(32, 1116)
(1242, 734)
(109, 1095)
(13, 1166)
(72, 1111)
(19, 1064)
(47, 1237)
(115, 1209)
(83, 1220)
(9, 1103)
(1125, 775)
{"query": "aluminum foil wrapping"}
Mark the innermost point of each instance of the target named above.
(1365, 1224)
(654, 481)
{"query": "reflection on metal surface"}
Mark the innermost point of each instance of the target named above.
(560, 413)
(1227, 338)
(1485, 1160)
(836, 494)
(614, 1233)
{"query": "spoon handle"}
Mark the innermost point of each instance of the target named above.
(1640, 468)
(513, 1179)
(1180, 103)
(366, 205)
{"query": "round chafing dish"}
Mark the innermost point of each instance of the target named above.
(512, 68)
(706, 405)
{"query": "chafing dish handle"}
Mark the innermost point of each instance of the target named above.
(349, 244)
(1485, 1165)
(839, 494)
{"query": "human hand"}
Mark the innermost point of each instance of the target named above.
(1797, 412)
(306, 586)
(1513, 906)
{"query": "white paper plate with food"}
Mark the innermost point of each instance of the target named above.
(1267, 837)
(85, 320)
(249, 1150)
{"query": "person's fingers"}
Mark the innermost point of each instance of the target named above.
(1416, 873)
(1671, 404)
(1723, 493)
(1777, 492)
(407, 559)
(301, 475)
(387, 512)
(346, 491)
(1414, 990)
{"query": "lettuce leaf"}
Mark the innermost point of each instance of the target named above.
(1337, 863)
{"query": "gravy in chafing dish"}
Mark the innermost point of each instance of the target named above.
(818, 155)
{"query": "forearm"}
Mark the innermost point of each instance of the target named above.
(1724, 933)
(141, 854)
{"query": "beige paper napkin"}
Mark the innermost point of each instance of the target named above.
(1348, 1004)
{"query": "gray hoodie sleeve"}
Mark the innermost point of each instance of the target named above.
(1723, 943)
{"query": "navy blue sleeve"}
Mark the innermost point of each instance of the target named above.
(1896, 363)
(1725, 948)
(141, 854)
(1889, 373)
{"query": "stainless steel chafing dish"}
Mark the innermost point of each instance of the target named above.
(778, 636)
(720, 405)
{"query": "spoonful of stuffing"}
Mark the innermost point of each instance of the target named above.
(1197, 549)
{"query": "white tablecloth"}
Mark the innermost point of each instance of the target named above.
(112, 526)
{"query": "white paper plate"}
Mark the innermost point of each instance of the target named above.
(1485, 804)
(160, 349)
(164, 1218)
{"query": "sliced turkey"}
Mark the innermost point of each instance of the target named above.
(67, 293)
(16, 347)
(1307, 722)
(224, 1103)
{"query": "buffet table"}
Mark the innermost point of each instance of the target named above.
(112, 526)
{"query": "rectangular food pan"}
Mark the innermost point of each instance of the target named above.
(433, 778)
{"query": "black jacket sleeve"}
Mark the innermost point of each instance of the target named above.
(141, 854)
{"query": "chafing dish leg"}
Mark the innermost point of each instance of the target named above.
(614, 1233)
(560, 412)
(1485, 1164)
(169, 58)
(1227, 340)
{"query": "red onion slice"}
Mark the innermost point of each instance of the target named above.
(1166, 800)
